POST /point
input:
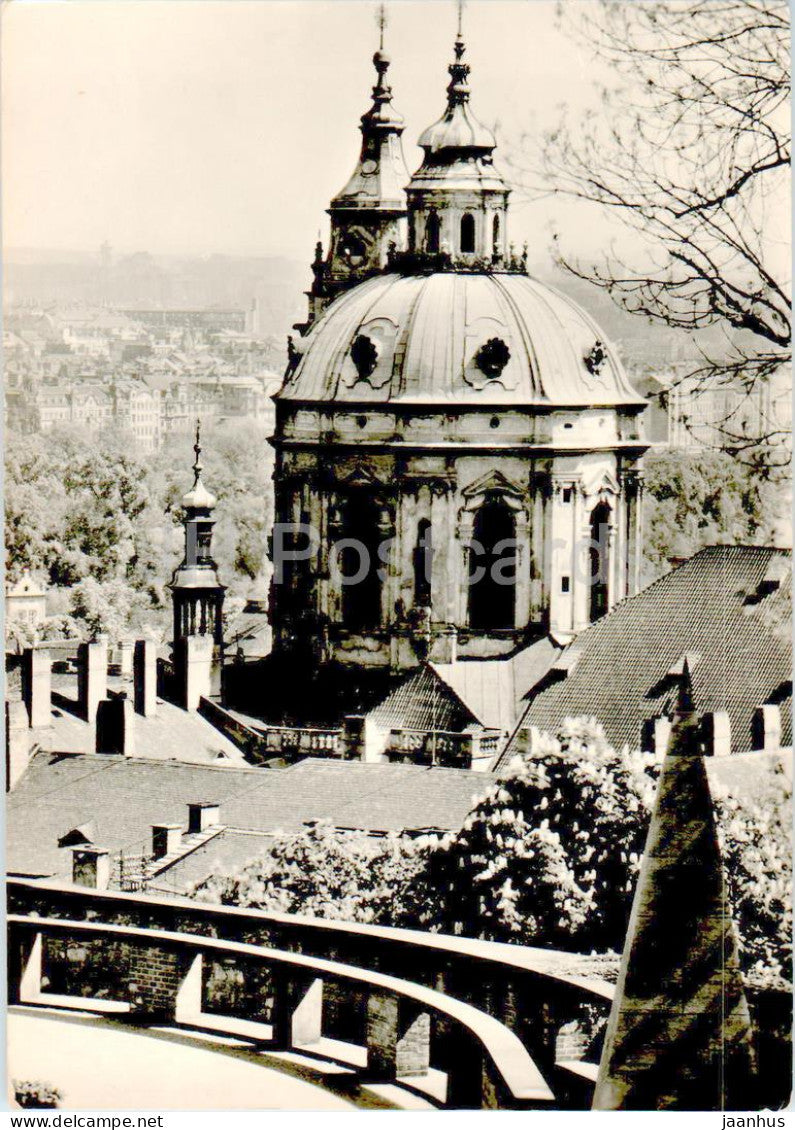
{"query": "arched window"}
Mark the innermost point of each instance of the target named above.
(423, 558)
(492, 567)
(432, 232)
(495, 234)
(358, 563)
(599, 553)
(467, 233)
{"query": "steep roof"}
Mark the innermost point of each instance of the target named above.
(123, 797)
(720, 610)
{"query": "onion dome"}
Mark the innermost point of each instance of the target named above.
(198, 497)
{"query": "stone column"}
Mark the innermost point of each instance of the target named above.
(561, 557)
(398, 1038)
(523, 555)
(634, 481)
(581, 558)
(465, 530)
(297, 1010)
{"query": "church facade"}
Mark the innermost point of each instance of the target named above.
(458, 449)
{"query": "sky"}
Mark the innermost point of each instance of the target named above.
(200, 127)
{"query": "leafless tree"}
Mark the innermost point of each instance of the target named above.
(690, 148)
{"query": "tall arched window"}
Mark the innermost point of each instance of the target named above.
(467, 233)
(432, 231)
(495, 234)
(423, 557)
(492, 567)
(359, 563)
(599, 553)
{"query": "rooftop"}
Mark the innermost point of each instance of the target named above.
(59, 793)
(726, 609)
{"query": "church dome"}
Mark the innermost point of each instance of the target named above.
(458, 338)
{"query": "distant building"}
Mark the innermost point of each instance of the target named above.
(26, 603)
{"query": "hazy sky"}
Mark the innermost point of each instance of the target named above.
(202, 126)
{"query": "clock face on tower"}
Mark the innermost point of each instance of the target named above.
(369, 167)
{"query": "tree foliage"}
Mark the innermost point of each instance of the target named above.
(689, 150)
(103, 523)
(549, 856)
(699, 497)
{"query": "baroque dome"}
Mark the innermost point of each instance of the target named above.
(458, 338)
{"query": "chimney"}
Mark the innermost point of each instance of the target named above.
(125, 657)
(655, 735)
(92, 677)
(203, 815)
(716, 733)
(18, 741)
(766, 728)
(36, 686)
(166, 839)
(145, 677)
(193, 659)
(116, 726)
(91, 867)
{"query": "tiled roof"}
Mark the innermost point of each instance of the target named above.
(170, 734)
(123, 797)
(423, 700)
(716, 609)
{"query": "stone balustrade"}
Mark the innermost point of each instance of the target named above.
(157, 977)
(450, 749)
(536, 994)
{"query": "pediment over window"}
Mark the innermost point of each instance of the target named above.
(494, 482)
(361, 477)
(601, 487)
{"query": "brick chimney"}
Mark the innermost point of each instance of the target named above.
(92, 677)
(90, 867)
(193, 660)
(203, 815)
(166, 838)
(145, 677)
(766, 728)
(116, 726)
(655, 734)
(36, 686)
(716, 733)
(18, 741)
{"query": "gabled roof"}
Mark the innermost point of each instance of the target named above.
(123, 797)
(721, 606)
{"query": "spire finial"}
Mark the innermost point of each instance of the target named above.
(382, 21)
(458, 91)
(197, 466)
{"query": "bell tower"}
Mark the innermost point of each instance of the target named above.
(457, 199)
(368, 214)
(196, 592)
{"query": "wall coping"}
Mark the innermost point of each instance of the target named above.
(503, 1046)
(525, 959)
